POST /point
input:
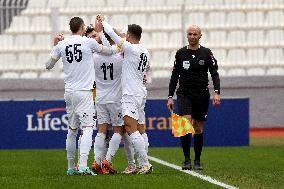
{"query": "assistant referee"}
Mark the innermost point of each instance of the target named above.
(190, 69)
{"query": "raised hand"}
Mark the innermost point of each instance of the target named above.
(57, 38)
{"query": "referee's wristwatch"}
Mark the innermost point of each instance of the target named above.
(170, 97)
(217, 92)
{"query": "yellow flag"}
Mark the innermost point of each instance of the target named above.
(181, 125)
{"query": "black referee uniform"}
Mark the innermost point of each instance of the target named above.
(191, 72)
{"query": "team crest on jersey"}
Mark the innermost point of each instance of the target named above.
(186, 64)
(201, 62)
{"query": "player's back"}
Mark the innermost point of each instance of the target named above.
(108, 71)
(136, 60)
(78, 64)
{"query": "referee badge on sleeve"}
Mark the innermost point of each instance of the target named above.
(186, 64)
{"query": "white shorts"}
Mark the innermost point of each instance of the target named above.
(110, 113)
(133, 106)
(80, 109)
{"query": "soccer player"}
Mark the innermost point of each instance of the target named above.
(136, 60)
(191, 66)
(108, 71)
(78, 66)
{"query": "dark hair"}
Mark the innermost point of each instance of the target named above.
(75, 24)
(135, 30)
(89, 29)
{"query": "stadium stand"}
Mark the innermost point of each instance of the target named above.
(247, 36)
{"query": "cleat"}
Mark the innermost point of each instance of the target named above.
(71, 172)
(130, 169)
(146, 169)
(85, 171)
(107, 168)
(96, 168)
(186, 165)
(197, 165)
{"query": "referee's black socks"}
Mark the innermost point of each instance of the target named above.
(198, 144)
(185, 143)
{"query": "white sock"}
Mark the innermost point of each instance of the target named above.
(85, 146)
(139, 148)
(71, 147)
(113, 146)
(145, 137)
(129, 150)
(99, 147)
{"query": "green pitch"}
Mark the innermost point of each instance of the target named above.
(243, 167)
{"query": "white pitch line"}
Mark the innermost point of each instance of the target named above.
(192, 173)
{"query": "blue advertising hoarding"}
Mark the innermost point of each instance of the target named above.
(43, 124)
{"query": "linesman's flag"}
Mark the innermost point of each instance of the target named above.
(181, 125)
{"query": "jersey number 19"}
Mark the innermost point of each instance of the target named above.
(143, 62)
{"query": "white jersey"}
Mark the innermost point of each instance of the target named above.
(136, 61)
(108, 78)
(78, 63)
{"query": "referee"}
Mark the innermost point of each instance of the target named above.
(190, 69)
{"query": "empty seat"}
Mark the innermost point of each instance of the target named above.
(119, 21)
(115, 3)
(256, 72)
(222, 72)
(220, 55)
(20, 23)
(8, 61)
(196, 18)
(56, 3)
(160, 59)
(6, 41)
(255, 18)
(174, 20)
(234, 2)
(43, 41)
(174, 3)
(37, 4)
(216, 19)
(274, 56)
(236, 37)
(275, 71)
(95, 4)
(217, 37)
(28, 75)
(152, 3)
(64, 23)
(214, 3)
(236, 72)
(194, 2)
(23, 41)
(236, 56)
(26, 61)
(274, 18)
(274, 37)
(140, 19)
(146, 39)
(175, 39)
(161, 74)
(41, 23)
(236, 18)
(255, 37)
(136, 3)
(255, 56)
(159, 39)
(46, 75)
(157, 20)
(10, 75)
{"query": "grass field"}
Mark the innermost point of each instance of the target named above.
(257, 166)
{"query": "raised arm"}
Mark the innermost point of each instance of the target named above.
(117, 39)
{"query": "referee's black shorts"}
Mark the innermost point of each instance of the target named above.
(194, 102)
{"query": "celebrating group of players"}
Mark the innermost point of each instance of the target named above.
(117, 62)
